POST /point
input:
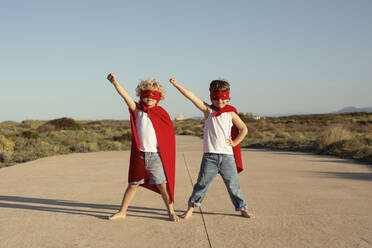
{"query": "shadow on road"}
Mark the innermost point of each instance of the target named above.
(101, 211)
(339, 161)
(367, 176)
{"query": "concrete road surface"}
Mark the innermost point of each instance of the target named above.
(300, 200)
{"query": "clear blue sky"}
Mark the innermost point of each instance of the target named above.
(290, 56)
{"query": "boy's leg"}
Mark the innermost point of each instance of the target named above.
(128, 197)
(165, 195)
(154, 167)
(229, 175)
(208, 171)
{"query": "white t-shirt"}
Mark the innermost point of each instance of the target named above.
(217, 129)
(146, 133)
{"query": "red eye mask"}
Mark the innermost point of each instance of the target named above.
(223, 95)
(153, 94)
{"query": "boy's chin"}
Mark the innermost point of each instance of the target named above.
(219, 106)
(150, 105)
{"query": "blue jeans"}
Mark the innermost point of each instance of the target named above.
(211, 165)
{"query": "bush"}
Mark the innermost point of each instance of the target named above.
(268, 134)
(298, 136)
(84, 147)
(111, 145)
(255, 133)
(60, 124)
(282, 135)
(47, 128)
(5, 157)
(364, 155)
(5, 144)
(31, 149)
(125, 137)
(332, 135)
(30, 135)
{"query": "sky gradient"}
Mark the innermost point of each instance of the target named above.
(281, 57)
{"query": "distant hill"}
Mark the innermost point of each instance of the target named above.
(352, 109)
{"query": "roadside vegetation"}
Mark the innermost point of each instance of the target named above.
(30, 140)
(342, 135)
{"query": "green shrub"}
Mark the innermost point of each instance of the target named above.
(60, 124)
(84, 147)
(282, 135)
(62, 149)
(268, 134)
(31, 149)
(33, 145)
(5, 144)
(364, 155)
(47, 128)
(5, 157)
(70, 137)
(298, 136)
(255, 133)
(30, 135)
(107, 145)
(127, 136)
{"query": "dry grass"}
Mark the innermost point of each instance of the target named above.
(343, 135)
(29, 140)
(332, 134)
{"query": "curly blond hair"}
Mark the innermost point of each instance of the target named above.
(150, 84)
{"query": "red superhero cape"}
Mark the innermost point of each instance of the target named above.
(165, 136)
(234, 133)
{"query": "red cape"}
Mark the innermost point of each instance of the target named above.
(234, 133)
(165, 135)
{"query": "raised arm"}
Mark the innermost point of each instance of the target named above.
(124, 94)
(191, 96)
(243, 130)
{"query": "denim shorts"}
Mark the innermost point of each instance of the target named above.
(154, 167)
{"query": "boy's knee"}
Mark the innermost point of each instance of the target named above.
(162, 185)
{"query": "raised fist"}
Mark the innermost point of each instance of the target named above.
(173, 81)
(111, 77)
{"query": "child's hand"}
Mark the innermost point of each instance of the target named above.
(173, 81)
(111, 77)
(230, 142)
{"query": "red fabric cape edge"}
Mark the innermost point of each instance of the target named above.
(165, 135)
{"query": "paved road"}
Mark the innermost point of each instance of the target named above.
(300, 200)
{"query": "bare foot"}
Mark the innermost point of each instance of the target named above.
(247, 215)
(118, 216)
(174, 217)
(186, 215)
